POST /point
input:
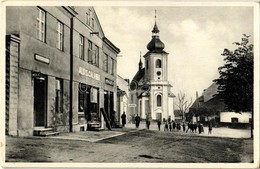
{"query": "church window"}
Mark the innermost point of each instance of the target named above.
(159, 100)
(158, 63)
(147, 65)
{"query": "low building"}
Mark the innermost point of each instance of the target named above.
(122, 98)
(210, 107)
(60, 70)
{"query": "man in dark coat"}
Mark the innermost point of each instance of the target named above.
(137, 121)
(159, 124)
(123, 117)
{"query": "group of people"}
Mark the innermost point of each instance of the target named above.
(177, 126)
(171, 125)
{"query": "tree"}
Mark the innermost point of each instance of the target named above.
(235, 83)
(183, 104)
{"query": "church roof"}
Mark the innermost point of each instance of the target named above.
(138, 76)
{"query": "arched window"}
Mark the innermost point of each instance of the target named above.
(159, 100)
(158, 63)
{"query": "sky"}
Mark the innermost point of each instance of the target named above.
(194, 37)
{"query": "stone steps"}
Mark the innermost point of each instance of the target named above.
(44, 132)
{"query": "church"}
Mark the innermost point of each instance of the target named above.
(150, 90)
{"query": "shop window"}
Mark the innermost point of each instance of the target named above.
(159, 100)
(81, 47)
(59, 96)
(41, 25)
(60, 33)
(158, 63)
(81, 99)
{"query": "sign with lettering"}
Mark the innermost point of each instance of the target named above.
(109, 82)
(42, 59)
(131, 105)
(89, 73)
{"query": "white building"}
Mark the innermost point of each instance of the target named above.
(150, 90)
(232, 117)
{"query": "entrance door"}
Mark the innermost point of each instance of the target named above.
(40, 101)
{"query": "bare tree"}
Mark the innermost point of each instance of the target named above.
(183, 104)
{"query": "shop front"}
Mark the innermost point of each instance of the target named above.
(95, 100)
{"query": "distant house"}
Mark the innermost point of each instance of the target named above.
(209, 106)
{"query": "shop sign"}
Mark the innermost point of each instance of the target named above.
(89, 73)
(109, 82)
(131, 105)
(41, 59)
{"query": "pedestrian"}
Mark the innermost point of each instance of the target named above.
(200, 128)
(147, 123)
(123, 117)
(178, 126)
(210, 128)
(137, 121)
(166, 126)
(159, 124)
(173, 125)
(183, 126)
(170, 126)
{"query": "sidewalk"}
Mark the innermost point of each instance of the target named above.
(94, 136)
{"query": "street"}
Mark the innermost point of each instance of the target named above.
(130, 146)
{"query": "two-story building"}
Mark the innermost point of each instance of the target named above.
(60, 70)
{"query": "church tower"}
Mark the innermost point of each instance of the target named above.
(150, 90)
(156, 75)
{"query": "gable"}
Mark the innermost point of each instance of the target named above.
(85, 14)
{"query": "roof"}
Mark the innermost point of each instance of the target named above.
(214, 105)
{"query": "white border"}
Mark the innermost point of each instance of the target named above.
(136, 165)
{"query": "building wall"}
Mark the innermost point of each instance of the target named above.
(22, 22)
(226, 117)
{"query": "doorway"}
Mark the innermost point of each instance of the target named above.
(40, 101)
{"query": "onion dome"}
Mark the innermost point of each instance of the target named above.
(155, 44)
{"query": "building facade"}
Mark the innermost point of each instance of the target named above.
(122, 98)
(150, 90)
(60, 70)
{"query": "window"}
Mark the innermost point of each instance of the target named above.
(92, 21)
(112, 66)
(90, 52)
(87, 18)
(159, 100)
(105, 62)
(60, 32)
(41, 25)
(158, 63)
(81, 47)
(234, 120)
(59, 96)
(96, 56)
(147, 65)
